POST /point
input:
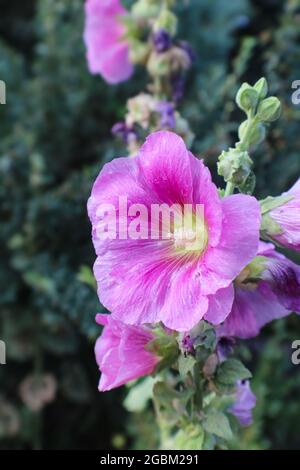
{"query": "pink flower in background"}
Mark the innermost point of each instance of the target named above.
(275, 295)
(178, 280)
(287, 216)
(244, 403)
(107, 50)
(121, 354)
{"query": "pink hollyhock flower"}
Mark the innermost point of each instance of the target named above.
(245, 401)
(287, 217)
(181, 279)
(107, 50)
(274, 294)
(121, 354)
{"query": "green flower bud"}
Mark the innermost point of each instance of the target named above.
(138, 51)
(269, 109)
(158, 64)
(247, 97)
(257, 133)
(261, 87)
(235, 166)
(167, 21)
(146, 9)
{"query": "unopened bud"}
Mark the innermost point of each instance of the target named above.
(269, 109)
(235, 166)
(247, 97)
(166, 21)
(261, 87)
(256, 135)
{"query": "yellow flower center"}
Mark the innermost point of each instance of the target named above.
(191, 234)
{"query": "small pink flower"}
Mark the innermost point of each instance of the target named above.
(121, 353)
(107, 50)
(245, 401)
(287, 216)
(173, 279)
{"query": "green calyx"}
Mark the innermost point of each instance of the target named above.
(235, 166)
(165, 346)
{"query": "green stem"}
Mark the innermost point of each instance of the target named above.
(229, 189)
(244, 143)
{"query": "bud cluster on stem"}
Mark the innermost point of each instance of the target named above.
(235, 164)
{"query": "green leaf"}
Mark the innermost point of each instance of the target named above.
(209, 441)
(139, 395)
(230, 371)
(217, 423)
(186, 364)
(86, 276)
(189, 438)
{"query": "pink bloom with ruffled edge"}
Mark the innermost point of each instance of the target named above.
(107, 50)
(148, 281)
(121, 353)
(287, 217)
(274, 296)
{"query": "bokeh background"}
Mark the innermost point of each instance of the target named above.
(54, 138)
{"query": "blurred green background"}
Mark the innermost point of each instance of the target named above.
(54, 138)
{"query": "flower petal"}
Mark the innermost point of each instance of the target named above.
(220, 305)
(238, 244)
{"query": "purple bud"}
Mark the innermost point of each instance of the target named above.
(162, 40)
(167, 113)
(123, 132)
(225, 348)
(186, 47)
(188, 344)
(178, 85)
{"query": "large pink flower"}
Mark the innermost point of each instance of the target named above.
(107, 50)
(177, 280)
(121, 354)
(275, 294)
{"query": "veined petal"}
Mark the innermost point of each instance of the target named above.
(238, 244)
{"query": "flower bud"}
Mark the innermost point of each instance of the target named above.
(261, 87)
(166, 21)
(145, 9)
(269, 109)
(257, 133)
(235, 166)
(138, 51)
(159, 64)
(247, 97)
(162, 40)
(210, 365)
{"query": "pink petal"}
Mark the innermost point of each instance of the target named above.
(220, 305)
(238, 244)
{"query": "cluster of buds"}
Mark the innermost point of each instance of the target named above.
(150, 32)
(235, 164)
(147, 113)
